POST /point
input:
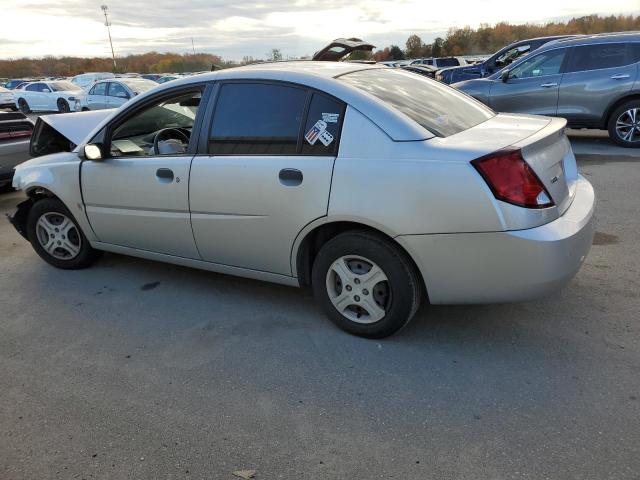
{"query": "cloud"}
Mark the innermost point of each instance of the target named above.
(235, 28)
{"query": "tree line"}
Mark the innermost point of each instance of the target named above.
(458, 41)
(490, 38)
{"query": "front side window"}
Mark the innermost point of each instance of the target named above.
(163, 128)
(439, 108)
(257, 119)
(117, 90)
(546, 63)
(594, 57)
(512, 54)
(98, 89)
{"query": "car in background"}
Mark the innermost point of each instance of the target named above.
(440, 62)
(7, 99)
(85, 80)
(152, 76)
(12, 84)
(340, 48)
(452, 202)
(497, 61)
(112, 93)
(47, 96)
(15, 132)
(592, 81)
(425, 70)
(167, 78)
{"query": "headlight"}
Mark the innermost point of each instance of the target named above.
(439, 77)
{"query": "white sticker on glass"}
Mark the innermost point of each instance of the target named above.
(326, 138)
(312, 135)
(330, 117)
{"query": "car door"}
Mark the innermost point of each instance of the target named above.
(31, 95)
(531, 85)
(138, 197)
(96, 98)
(596, 76)
(265, 173)
(117, 95)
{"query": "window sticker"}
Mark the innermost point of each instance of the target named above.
(330, 117)
(326, 138)
(313, 134)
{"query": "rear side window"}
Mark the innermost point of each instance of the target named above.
(595, 57)
(34, 87)
(437, 107)
(257, 119)
(448, 62)
(323, 126)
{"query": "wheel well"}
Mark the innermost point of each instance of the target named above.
(612, 108)
(37, 193)
(316, 238)
(19, 219)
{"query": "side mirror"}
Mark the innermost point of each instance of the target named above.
(45, 90)
(92, 152)
(505, 75)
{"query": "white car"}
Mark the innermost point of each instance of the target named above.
(47, 96)
(112, 93)
(7, 99)
(375, 186)
(85, 80)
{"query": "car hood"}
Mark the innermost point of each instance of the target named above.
(462, 68)
(478, 87)
(75, 126)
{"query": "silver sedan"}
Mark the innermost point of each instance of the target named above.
(376, 187)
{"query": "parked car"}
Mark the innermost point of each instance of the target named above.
(15, 131)
(167, 78)
(152, 76)
(340, 48)
(502, 58)
(262, 172)
(47, 97)
(426, 70)
(12, 84)
(6, 99)
(111, 93)
(440, 62)
(591, 81)
(85, 80)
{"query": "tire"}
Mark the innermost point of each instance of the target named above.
(350, 258)
(70, 239)
(85, 109)
(626, 114)
(23, 106)
(63, 106)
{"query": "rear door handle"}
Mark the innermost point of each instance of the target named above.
(290, 177)
(619, 76)
(165, 174)
(549, 85)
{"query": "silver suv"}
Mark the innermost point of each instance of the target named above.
(592, 81)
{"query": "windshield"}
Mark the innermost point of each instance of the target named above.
(63, 86)
(437, 107)
(139, 86)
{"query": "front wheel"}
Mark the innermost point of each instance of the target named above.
(624, 125)
(366, 284)
(63, 106)
(56, 236)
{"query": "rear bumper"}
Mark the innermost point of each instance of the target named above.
(509, 266)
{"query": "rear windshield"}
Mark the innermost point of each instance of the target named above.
(62, 86)
(437, 107)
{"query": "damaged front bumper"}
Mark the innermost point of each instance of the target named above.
(19, 217)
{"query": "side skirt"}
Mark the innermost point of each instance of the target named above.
(200, 264)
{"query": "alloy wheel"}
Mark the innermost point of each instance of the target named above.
(628, 125)
(58, 236)
(358, 289)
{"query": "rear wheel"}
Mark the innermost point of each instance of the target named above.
(56, 236)
(624, 125)
(366, 285)
(63, 106)
(23, 106)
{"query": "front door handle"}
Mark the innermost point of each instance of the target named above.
(549, 85)
(619, 76)
(290, 177)
(165, 174)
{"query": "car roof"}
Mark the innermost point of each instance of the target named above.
(321, 76)
(613, 37)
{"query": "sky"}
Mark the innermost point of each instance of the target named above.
(234, 29)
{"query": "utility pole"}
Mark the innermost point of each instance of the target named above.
(193, 46)
(108, 25)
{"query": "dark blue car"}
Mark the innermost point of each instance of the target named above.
(496, 62)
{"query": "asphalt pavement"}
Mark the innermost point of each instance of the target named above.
(142, 370)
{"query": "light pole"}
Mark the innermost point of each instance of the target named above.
(108, 25)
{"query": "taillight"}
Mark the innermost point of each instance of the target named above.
(512, 180)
